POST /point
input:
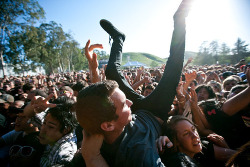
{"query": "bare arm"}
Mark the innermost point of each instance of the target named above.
(189, 76)
(197, 117)
(138, 76)
(146, 79)
(223, 154)
(239, 101)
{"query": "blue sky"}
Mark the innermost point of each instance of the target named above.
(148, 24)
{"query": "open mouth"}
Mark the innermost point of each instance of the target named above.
(246, 120)
(197, 143)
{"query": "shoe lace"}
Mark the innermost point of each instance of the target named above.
(110, 41)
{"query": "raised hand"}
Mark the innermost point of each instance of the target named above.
(90, 55)
(162, 142)
(41, 104)
(91, 145)
(193, 98)
(92, 59)
(218, 140)
(184, 8)
(190, 75)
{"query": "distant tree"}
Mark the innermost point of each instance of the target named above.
(72, 53)
(51, 53)
(214, 49)
(204, 56)
(224, 49)
(23, 49)
(154, 64)
(14, 16)
(240, 50)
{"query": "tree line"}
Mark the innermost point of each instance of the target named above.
(26, 46)
(213, 53)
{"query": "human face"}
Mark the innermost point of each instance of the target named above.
(203, 94)
(188, 140)
(65, 93)
(21, 123)
(229, 85)
(50, 131)
(122, 105)
(147, 92)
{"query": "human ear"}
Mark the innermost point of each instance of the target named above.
(107, 126)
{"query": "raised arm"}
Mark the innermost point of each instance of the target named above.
(93, 63)
(37, 105)
(198, 118)
(166, 88)
(239, 101)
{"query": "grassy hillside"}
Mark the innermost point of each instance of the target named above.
(149, 59)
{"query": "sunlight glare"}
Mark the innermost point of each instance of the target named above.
(211, 19)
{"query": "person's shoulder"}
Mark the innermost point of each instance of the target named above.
(12, 134)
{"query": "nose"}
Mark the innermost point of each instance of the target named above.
(195, 134)
(129, 102)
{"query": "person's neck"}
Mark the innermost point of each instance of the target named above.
(110, 137)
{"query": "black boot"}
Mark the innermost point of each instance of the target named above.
(111, 30)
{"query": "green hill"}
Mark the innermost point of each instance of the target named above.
(149, 59)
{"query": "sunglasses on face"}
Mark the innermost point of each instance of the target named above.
(63, 92)
(21, 150)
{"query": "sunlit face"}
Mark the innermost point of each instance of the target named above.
(203, 94)
(65, 93)
(50, 131)
(229, 85)
(123, 110)
(188, 139)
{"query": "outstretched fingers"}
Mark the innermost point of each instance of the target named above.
(95, 46)
(89, 50)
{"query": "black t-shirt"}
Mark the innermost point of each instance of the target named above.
(33, 146)
(232, 128)
(206, 157)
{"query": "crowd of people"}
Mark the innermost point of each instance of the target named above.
(174, 115)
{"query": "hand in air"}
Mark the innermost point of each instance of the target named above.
(90, 55)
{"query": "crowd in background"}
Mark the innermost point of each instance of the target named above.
(213, 85)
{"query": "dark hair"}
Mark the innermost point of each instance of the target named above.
(66, 102)
(94, 106)
(79, 86)
(236, 87)
(28, 87)
(39, 92)
(169, 129)
(66, 118)
(208, 88)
